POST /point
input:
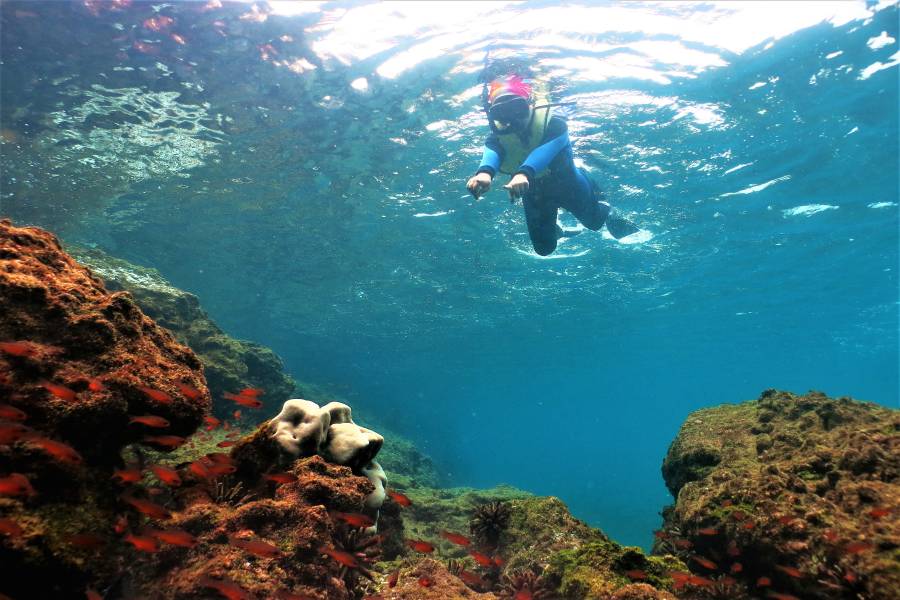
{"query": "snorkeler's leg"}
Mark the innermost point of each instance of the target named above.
(581, 197)
(540, 216)
(586, 202)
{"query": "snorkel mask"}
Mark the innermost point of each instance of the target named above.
(509, 104)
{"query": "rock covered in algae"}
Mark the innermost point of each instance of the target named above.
(802, 491)
(571, 559)
(229, 364)
(77, 364)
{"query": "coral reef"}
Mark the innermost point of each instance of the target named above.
(228, 364)
(81, 371)
(794, 494)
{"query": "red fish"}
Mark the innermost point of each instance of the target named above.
(221, 469)
(280, 478)
(248, 401)
(425, 581)
(877, 512)
(156, 395)
(175, 537)
(236, 414)
(142, 543)
(661, 535)
(701, 581)
(780, 596)
(705, 562)
(127, 475)
(177, 39)
(482, 559)
(636, 574)
(88, 541)
(151, 509)
(60, 391)
(850, 577)
(219, 458)
(166, 475)
(150, 421)
(857, 547)
(680, 578)
(749, 525)
(11, 413)
(344, 558)
(199, 469)
(24, 349)
(255, 547)
(683, 544)
(737, 567)
(13, 432)
(399, 498)
(523, 595)
(499, 561)
(189, 392)
(211, 422)
(95, 385)
(727, 503)
(393, 578)
(10, 528)
(353, 519)
(421, 546)
(830, 535)
(253, 392)
(166, 441)
(472, 579)
(226, 444)
(226, 587)
(455, 538)
(92, 594)
(763, 582)
(786, 520)
(708, 531)
(738, 515)
(791, 571)
(58, 450)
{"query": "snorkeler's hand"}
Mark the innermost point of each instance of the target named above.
(479, 184)
(517, 186)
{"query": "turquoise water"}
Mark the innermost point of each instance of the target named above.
(304, 176)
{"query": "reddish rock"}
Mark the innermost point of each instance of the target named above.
(429, 579)
(74, 359)
(81, 333)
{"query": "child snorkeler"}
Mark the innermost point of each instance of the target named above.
(532, 145)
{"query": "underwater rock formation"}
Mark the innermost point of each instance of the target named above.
(541, 550)
(228, 364)
(788, 494)
(83, 372)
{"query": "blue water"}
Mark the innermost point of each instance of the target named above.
(756, 145)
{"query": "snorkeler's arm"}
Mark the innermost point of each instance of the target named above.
(491, 158)
(540, 158)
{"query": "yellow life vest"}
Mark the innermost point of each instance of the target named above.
(515, 150)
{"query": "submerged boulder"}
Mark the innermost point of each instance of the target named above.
(83, 373)
(795, 494)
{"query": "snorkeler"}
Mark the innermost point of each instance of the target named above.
(532, 145)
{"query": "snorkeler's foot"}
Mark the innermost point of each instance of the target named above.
(618, 226)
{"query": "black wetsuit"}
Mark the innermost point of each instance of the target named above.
(554, 182)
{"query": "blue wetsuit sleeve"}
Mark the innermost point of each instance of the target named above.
(541, 157)
(490, 162)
